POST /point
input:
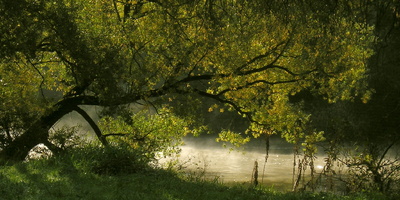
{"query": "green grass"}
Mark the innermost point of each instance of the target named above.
(69, 177)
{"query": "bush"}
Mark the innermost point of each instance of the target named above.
(111, 160)
(118, 160)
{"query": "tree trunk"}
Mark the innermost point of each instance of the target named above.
(19, 148)
(92, 124)
(38, 133)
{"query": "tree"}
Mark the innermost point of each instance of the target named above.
(377, 130)
(247, 55)
(365, 135)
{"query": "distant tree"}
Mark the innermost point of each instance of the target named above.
(365, 136)
(59, 55)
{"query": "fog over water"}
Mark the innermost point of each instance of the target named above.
(237, 165)
(204, 154)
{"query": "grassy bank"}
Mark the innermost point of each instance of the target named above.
(67, 178)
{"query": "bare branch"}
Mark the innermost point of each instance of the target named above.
(94, 126)
(386, 151)
(259, 57)
(41, 75)
(116, 10)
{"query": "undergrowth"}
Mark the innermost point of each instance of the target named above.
(96, 173)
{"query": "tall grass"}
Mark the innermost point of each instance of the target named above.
(96, 173)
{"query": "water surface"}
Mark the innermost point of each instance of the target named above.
(237, 165)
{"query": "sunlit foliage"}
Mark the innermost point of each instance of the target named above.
(154, 134)
(249, 56)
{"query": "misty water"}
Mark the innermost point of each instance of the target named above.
(203, 154)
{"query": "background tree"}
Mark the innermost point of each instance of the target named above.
(365, 135)
(247, 56)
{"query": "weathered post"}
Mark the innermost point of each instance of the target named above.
(254, 177)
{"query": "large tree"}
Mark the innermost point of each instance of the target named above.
(249, 56)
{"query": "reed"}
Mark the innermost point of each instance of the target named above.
(254, 176)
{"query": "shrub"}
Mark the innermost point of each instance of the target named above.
(114, 160)
(110, 160)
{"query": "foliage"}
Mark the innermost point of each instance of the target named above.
(247, 56)
(153, 134)
(66, 137)
(363, 135)
(250, 57)
(112, 160)
(370, 173)
(236, 139)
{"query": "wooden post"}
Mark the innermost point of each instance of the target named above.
(254, 177)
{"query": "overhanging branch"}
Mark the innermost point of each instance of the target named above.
(116, 10)
(41, 75)
(239, 109)
(259, 57)
(94, 126)
(254, 83)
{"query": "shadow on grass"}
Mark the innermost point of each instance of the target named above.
(63, 179)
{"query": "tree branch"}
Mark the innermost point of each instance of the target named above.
(238, 70)
(116, 10)
(94, 126)
(386, 151)
(124, 134)
(114, 134)
(239, 109)
(41, 75)
(253, 83)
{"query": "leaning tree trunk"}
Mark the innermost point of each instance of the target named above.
(38, 133)
(19, 148)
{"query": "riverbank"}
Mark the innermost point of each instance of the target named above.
(58, 178)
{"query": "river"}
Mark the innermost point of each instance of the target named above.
(204, 155)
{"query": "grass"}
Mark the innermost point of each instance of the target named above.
(68, 177)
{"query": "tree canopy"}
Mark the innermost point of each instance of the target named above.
(249, 56)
